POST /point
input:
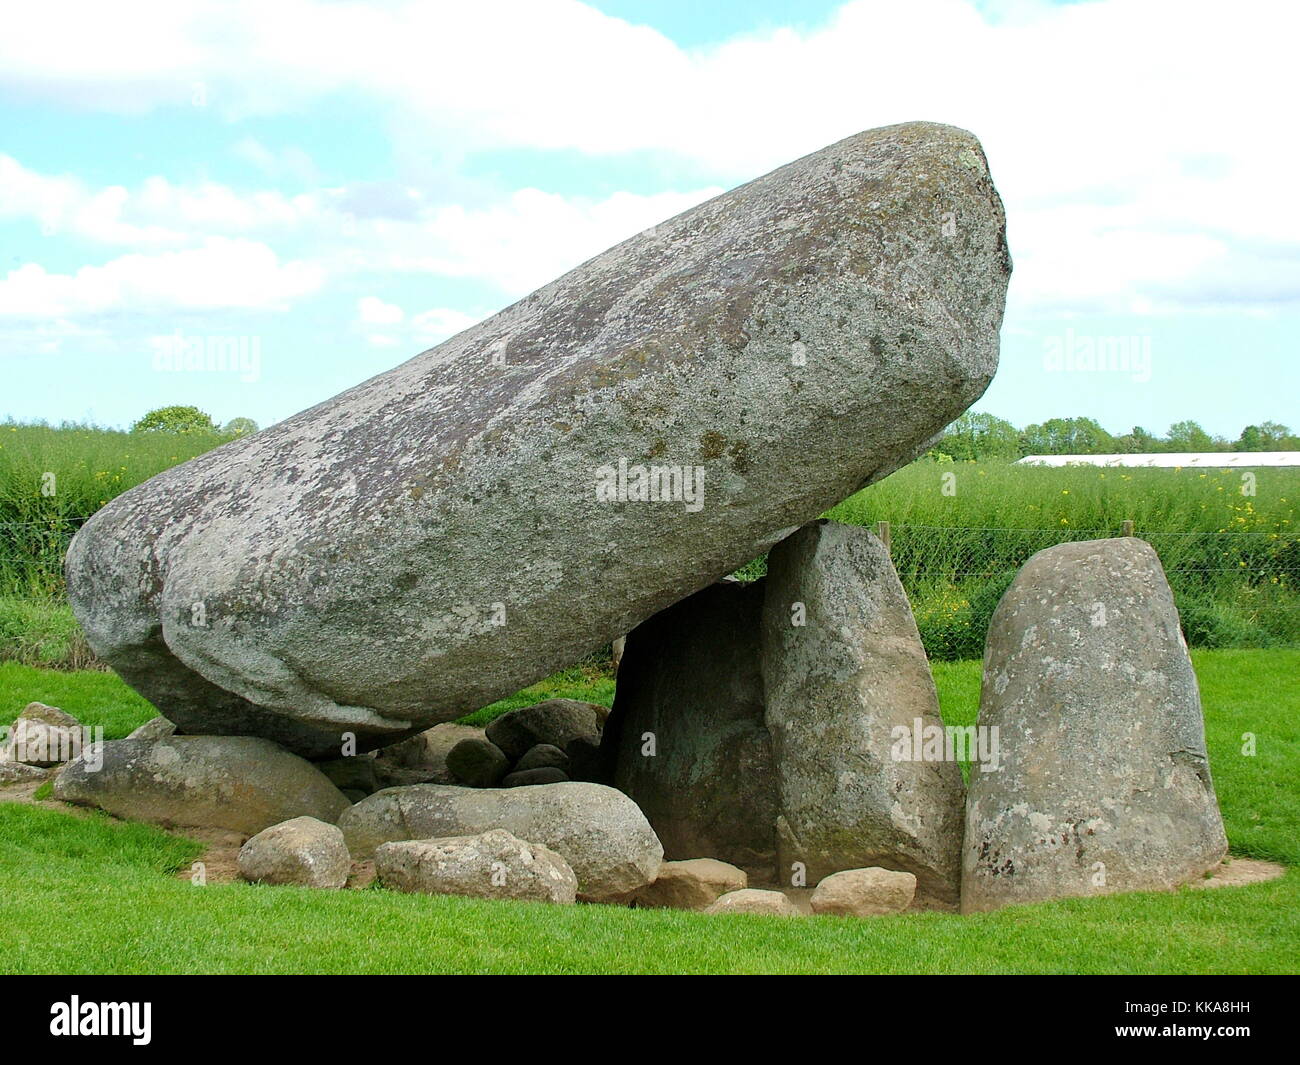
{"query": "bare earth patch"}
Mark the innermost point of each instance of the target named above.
(1237, 872)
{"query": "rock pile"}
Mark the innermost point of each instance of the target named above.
(546, 743)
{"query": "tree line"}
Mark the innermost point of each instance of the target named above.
(985, 436)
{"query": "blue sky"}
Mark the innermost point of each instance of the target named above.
(327, 188)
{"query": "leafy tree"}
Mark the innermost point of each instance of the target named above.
(980, 436)
(240, 427)
(1267, 436)
(175, 419)
(1188, 436)
(1137, 441)
(1066, 436)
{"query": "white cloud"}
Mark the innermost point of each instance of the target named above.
(220, 273)
(374, 311)
(1142, 146)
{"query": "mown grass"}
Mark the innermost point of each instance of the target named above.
(131, 915)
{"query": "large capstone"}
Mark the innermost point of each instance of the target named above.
(503, 504)
(1104, 784)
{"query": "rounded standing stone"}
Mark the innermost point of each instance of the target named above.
(1103, 783)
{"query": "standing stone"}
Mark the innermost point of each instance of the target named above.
(490, 865)
(1104, 783)
(527, 491)
(846, 674)
(597, 830)
(302, 851)
(239, 783)
(687, 739)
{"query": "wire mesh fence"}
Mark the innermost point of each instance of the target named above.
(1232, 588)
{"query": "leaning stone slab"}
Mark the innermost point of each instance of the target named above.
(239, 783)
(1104, 784)
(301, 851)
(507, 502)
(845, 675)
(597, 830)
(489, 865)
(687, 739)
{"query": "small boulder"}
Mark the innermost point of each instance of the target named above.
(755, 900)
(526, 777)
(557, 722)
(422, 759)
(356, 773)
(238, 783)
(692, 884)
(864, 893)
(19, 773)
(302, 851)
(490, 865)
(599, 831)
(44, 736)
(543, 756)
(477, 763)
(156, 728)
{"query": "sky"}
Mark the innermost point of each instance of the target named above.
(300, 194)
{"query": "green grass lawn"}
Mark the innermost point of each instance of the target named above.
(89, 895)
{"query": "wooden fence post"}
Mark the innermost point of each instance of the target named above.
(882, 531)
(1128, 527)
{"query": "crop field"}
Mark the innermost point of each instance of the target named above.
(959, 532)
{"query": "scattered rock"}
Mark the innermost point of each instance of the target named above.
(527, 777)
(156, 728)
(1104, 784)
(555, 722)
(240, 783)
(543, 756)
(489, 865)
(587, 763)
(687, 739)
(755, 900)
(301, 851)
(20, 773)
(692, 884)
(44, 736)
(864, 893)
(422, 759)
(599, 831)
(477, 763)
(357, 773)
(779, 347)
(845, 677)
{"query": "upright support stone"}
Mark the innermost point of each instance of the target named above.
(686, 738)
(845, 676)
(1105, 784)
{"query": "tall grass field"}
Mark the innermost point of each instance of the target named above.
(959, 532)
